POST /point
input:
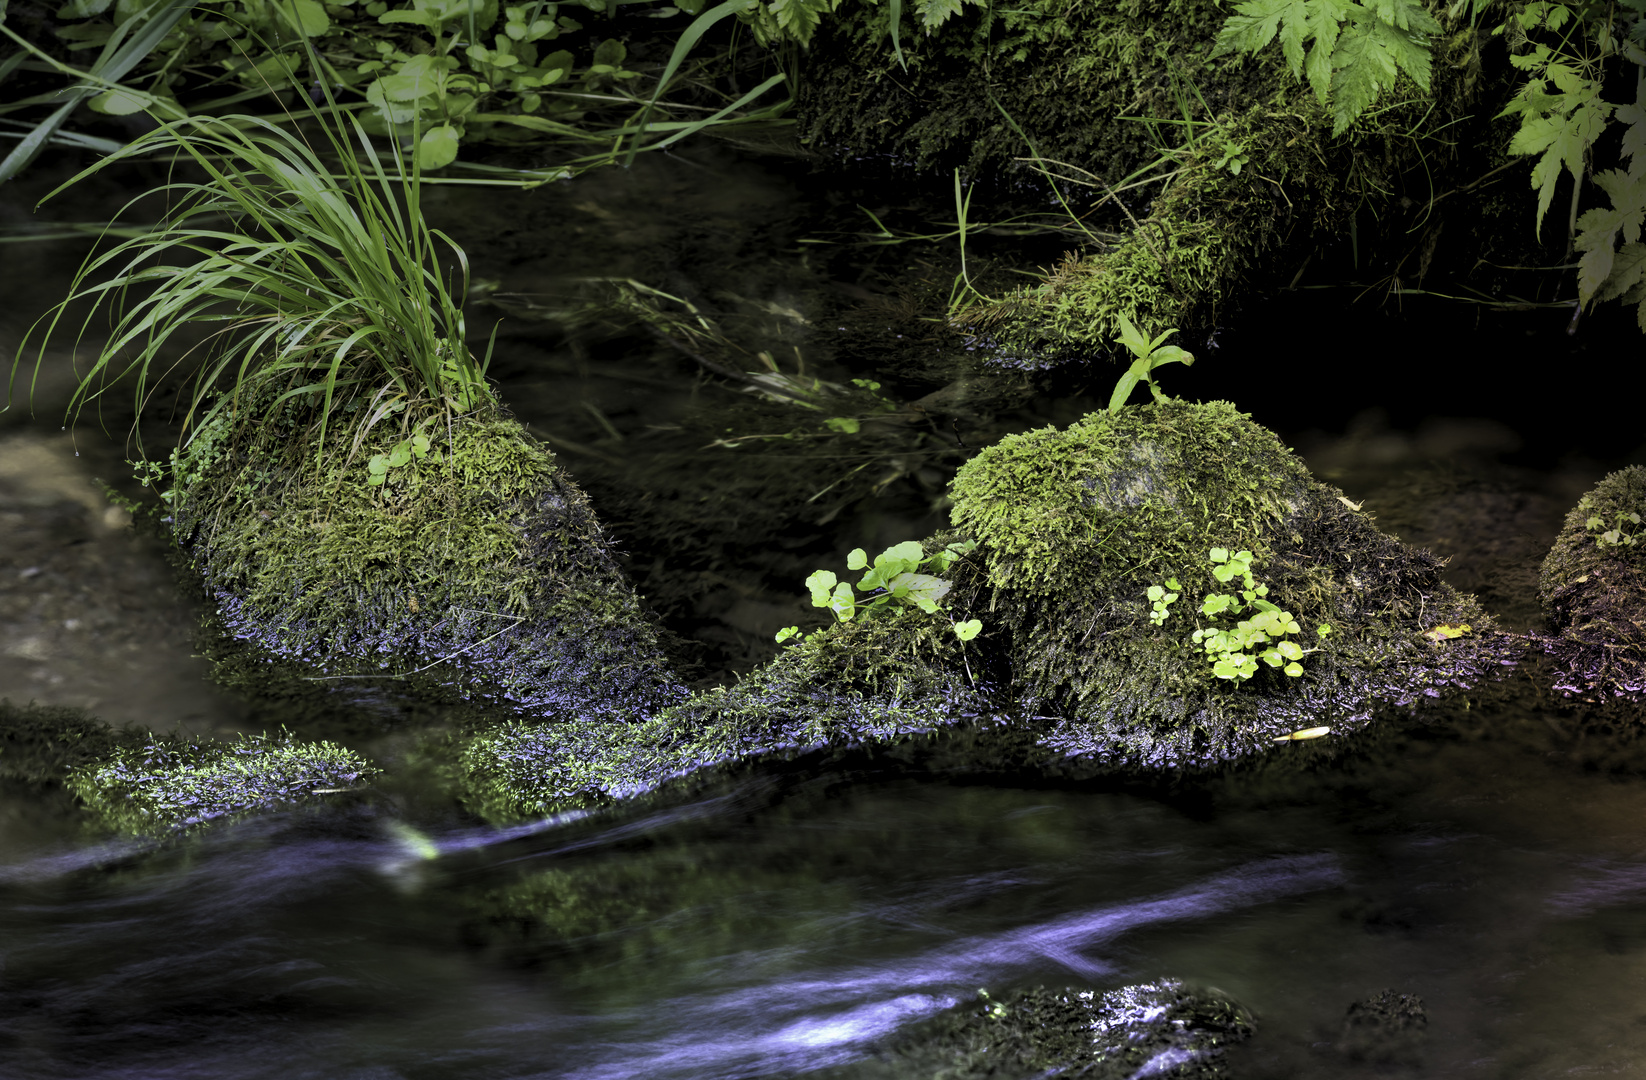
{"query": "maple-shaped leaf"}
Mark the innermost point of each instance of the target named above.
(1560, 127)
(934, 13)
(1370, 55)
(798, 18)
(1257, 22)
(1406, 15)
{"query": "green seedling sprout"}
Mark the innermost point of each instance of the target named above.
(1150, 354)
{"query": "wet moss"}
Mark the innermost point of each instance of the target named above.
(482, 561)
(1593, 589)
(170, 783)
(848, 685)
(1153, 1029)
(1073, 527)
(1066, 73)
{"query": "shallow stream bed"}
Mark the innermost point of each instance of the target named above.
(1488, 856)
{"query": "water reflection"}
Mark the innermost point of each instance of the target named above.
(290, 946)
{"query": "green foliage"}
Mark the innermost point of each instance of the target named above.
(1150, 355)
(401, 455)
(902, 576)
(1621, 534)
(1265, 636)
(1162, 601)
(1566, 52)
(316, 287)
(433, 73)
(1349, 51)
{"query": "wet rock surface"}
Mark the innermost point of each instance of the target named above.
(1157, 1029)
(1387, 1028)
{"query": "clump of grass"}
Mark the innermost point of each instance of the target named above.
(318, 286)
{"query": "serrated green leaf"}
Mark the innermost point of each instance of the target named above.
(1257, 22)
(1628, 272)
(1405, 15)
(934, 13)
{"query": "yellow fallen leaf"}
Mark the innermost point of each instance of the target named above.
(1306, 733)
(1344, 499)
(1446, 630)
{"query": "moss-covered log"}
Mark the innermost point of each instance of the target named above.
(850, 685)
(1242, 157)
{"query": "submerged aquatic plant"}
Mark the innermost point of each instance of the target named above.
(320, 287)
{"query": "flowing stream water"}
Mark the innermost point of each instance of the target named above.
(1489, 857)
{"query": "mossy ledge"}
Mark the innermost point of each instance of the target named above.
(848, 685)
(144, 783)
(478, 562)
(1073, 526)
(1593, 588)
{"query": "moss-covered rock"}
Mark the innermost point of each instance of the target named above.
(170, 783)
(848, 685)
(1072, 529)
(473, 561)
(1593, 588)
(1074, 526)
(1162, 1028)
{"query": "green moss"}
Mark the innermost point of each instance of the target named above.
(1065, 72)
(1074, 526)
(482, 560)
(1143, 492)
(1595, 595)
(167, 784)
(849, 685)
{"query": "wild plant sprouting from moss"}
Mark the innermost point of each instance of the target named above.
(1235, 652)
(1266, 635)
(898, 577)
(1622, 532)
(316, 286)
(1150, 354)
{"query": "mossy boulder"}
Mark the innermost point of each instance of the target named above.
(1074, 526)
(1593, 588)
(849, 685)
(451, 553)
